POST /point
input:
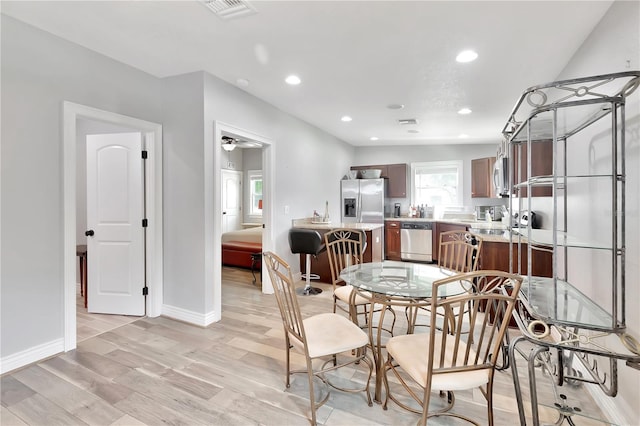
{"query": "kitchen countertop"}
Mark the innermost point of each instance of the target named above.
(480, 225)
(307, 223)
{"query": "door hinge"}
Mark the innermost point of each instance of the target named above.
(145, 290)
(145, 154)
(145, 222)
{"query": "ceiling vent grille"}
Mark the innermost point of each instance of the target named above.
(229, 9)
(404, 121)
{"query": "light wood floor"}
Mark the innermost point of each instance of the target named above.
(159, 371)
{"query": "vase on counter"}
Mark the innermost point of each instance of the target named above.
(325, 218)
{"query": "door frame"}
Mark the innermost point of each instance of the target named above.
(213, 206)
(153, 199)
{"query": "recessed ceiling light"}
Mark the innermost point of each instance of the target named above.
(413, 131)
(464, 111)
(242, 82)
(466, 56)
(293, 80)
(463, 136)
(346, 118)
(373, 138)
(395, 106)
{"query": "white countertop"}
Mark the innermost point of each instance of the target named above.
(478, 224)
(307, 223)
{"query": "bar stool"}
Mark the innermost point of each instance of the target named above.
(308, 242)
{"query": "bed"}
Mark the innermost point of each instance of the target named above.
(238, 247)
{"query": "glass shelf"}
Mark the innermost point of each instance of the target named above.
(545, 237)
(561, 303)
(560, 180)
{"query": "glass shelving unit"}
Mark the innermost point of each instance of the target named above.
(578, 309)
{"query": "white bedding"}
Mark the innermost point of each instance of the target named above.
(249, 235)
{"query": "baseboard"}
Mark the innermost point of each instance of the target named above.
(616, 410)
(31, 355)
(190, 317)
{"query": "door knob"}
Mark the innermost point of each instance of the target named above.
(89, 233)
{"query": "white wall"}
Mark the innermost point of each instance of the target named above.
(309, 163)
(614, 46)
(39, 72)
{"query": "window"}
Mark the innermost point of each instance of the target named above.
(255, 194)
(437, 183)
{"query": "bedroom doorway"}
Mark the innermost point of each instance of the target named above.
(215, 157)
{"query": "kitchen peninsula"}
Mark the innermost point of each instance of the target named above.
(320, 266)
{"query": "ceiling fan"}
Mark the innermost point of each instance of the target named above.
(229, 143)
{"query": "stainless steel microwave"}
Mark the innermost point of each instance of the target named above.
(501, 177)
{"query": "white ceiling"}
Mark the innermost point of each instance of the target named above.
(354, 57)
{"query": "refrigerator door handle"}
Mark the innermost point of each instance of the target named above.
(359, 208)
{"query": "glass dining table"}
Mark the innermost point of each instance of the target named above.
(404, 285)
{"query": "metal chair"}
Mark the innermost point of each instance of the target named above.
(346, 247)
(454, 358)
(307, 242)
(322, 336)
(459, 251)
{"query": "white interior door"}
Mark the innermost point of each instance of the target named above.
(231, 200)
(115, 208)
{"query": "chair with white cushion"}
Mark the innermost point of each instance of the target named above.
(330, 340)
(455, 357)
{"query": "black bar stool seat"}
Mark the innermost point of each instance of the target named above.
(310, 243)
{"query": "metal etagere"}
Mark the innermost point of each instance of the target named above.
(578, 310)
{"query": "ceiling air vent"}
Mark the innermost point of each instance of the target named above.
(229, 9)
(407, 121)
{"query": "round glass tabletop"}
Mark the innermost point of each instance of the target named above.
(400, 279)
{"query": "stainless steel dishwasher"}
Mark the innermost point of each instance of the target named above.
(415, 241)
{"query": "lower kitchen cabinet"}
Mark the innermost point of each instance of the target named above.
(392, 239)
(320, 265)
(495, 256)
(438, 228)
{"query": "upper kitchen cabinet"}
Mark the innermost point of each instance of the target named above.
(541, 165)
(396, 175)
(481, 178)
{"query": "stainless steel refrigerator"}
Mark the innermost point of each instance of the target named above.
(362, 200)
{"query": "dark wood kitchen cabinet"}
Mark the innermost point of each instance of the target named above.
(438, 228)
(396, 175)
(320, 265)
(541, 165)
(482, 178)
(495, 256)
(392, 239)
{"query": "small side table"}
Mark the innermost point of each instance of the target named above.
(81, 252)
(256, 260)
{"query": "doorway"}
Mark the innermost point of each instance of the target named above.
(213, 205)
(74, 117)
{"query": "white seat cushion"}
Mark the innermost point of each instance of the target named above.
(411, 352)
(331, 333)
(344, 293)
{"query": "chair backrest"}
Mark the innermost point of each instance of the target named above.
(284, 289)
(345, 247)
(305, 241)
(484, 309)
(459, 251)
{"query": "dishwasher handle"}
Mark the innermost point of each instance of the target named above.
(417, 225)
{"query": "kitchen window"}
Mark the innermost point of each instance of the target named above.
(436, 183)
(255, 194)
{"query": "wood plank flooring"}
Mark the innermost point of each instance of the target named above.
(153, 371)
